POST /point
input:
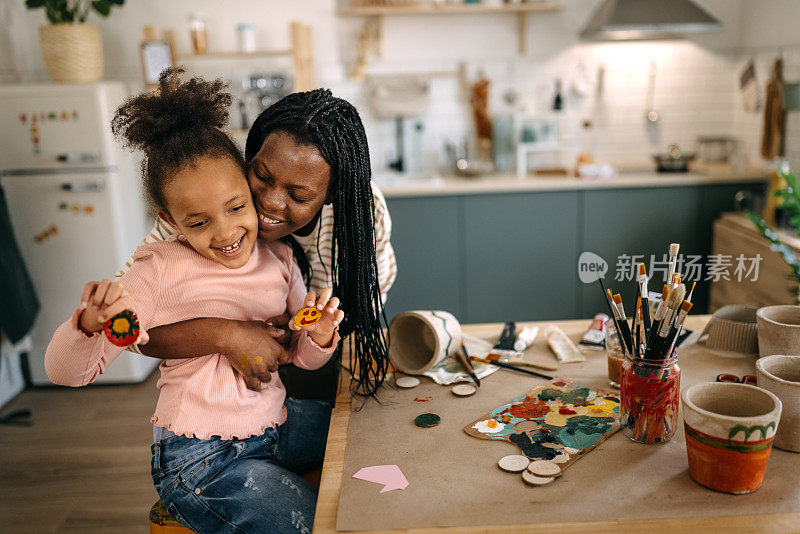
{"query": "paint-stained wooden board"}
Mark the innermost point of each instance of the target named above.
(559, 420)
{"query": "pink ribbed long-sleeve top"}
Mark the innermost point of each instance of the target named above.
(200, 397)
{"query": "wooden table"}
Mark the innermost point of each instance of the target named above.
(327, 505)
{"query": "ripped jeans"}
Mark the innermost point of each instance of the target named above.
(245, 485)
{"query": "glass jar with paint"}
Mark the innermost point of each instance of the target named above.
(649, 398)
(614, 354)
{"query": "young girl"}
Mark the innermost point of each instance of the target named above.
(224, 456)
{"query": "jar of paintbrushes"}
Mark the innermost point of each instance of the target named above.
(650, 379)
(649, 394)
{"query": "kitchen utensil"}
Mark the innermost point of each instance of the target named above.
(673, 161)
(650, 113)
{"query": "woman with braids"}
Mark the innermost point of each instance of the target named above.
(224, 458)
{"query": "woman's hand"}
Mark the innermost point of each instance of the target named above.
(101, 301)
(322, 331)
(252, 347)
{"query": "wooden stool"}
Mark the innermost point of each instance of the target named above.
(162, 522)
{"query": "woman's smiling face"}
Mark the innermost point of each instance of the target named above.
(290, 184)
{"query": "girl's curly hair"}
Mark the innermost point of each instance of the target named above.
(174, 125)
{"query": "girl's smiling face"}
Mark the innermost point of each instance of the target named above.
(290, 183)
(210, 204)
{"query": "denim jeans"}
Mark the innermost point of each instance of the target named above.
(245, 485)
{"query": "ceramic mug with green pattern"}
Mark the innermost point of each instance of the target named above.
(421, 339)
(729, 432)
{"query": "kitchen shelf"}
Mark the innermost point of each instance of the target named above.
(236, 55)
(375, 14)
(300, 52)
(451, 9)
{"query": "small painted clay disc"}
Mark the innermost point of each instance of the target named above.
(464, 390)
(427, 420)
(533, 480)
(544, 468)
(307, 316)
(513, 463)
(123, 329)
(407, 382)
(570, 450)
(561, 458)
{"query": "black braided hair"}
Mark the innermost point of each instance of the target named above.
(174, 125)
(332, 125)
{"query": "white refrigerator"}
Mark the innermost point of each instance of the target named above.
(75, 202)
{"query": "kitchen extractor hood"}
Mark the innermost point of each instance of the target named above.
(624, 20)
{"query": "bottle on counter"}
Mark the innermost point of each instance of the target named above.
(197, 31)
(246, 34)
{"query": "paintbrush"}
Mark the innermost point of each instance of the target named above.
(626, 329)
(691, 291)
(463, 359)
(619, 321)
(643, 292)
(512, 367)
(506, 358)
(659, 315)
(676, 329)
(637, 318)
(674, 301)
(609, 303)
(673, 259)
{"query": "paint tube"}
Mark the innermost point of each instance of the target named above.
(562, 346)
(525, 338)
(595, 337)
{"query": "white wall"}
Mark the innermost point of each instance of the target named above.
(696, 88)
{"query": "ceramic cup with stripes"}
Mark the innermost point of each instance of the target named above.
(729, 432)
(421, 339)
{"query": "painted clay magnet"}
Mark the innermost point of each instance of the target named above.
(307, 316)
(122, 329)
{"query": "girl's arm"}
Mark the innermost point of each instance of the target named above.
(231, 338)
(79, 351)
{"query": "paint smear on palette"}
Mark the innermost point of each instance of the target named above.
(423, 399)
(555, 420)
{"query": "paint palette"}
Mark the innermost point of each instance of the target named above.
(558, 421)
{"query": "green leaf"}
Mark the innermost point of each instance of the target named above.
(102, 6)
(117, 2)
(34, 4)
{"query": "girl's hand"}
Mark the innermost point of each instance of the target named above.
(322, 331)
(101, 301)
(253, 349)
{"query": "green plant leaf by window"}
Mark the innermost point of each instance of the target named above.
(72, 11)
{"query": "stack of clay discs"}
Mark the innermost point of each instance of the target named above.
(541, 472)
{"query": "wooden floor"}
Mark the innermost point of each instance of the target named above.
(84, 465)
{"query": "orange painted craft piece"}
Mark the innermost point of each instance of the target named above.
(307, 316)
(744, 471)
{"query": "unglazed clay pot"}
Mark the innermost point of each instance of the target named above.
(729, 432)
(781, 375)
(422, 339)
(778, 330)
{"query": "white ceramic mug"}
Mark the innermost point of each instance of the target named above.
(420, 339)
(781, 375)
(778, 330)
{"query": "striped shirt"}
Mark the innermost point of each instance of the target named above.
(319, 257)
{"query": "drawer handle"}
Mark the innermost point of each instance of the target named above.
(83, 187)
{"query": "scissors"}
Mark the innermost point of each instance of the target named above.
(747, 379)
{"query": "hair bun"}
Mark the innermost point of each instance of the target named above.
(149, 119)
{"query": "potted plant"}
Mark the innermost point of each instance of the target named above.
(779, 326)
(71, 48)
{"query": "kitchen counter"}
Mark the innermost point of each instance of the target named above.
(393, 187)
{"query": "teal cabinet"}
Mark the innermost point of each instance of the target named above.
(514, 256)
(521, 253)
(427, 241)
